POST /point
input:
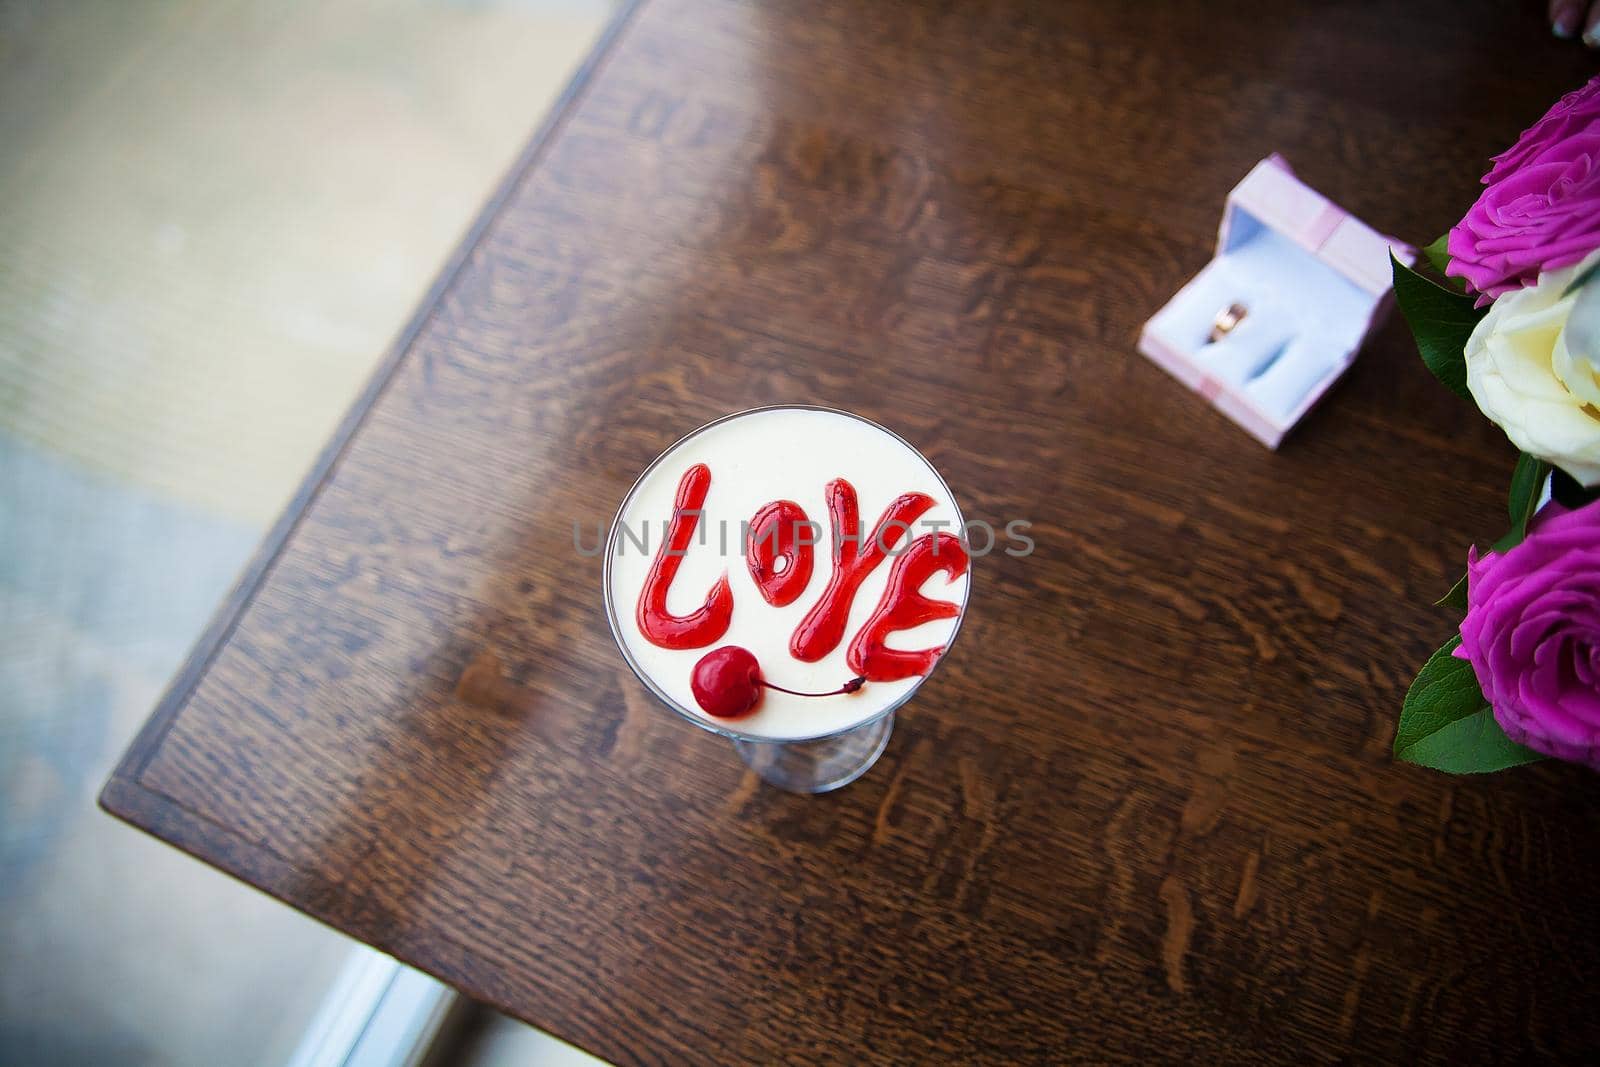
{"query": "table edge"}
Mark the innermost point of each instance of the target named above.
(257, 867)
(120, 802)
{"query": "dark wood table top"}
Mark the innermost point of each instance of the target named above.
(1147, 809)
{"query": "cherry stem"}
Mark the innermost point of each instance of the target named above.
(849, 687)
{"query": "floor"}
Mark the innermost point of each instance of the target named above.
(214, 216)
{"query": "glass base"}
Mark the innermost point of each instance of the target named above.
(818, 766)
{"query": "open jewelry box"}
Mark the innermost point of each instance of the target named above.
(1314, 282)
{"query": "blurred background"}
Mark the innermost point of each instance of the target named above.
(215, 215)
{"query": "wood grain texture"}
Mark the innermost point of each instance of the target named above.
(1146, 810)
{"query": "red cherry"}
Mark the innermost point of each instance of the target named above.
(727, 683)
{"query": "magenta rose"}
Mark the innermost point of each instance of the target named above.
(1541, 210)
(1532, 634)
(1573, 113)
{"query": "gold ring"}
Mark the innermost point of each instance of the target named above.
(1226, 320)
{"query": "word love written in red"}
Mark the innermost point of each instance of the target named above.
(781, 563)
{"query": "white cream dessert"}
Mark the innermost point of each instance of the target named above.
(723, 629)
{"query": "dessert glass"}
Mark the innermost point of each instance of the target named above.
(816, 764)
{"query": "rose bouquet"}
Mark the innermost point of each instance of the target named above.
(1515, 328)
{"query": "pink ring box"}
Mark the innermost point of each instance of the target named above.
(1315, 282)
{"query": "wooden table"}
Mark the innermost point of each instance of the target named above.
(1147, 809)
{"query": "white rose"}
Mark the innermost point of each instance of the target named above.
(1533, 366)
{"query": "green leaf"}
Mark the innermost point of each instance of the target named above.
(1447, 725)
(1473, 745)
(1569, 492)
(1438, 254)
(1509, 540)
(1441, 322)
(1527, 485)
(1445, 690)
(1581, 280)
(1456, 597)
